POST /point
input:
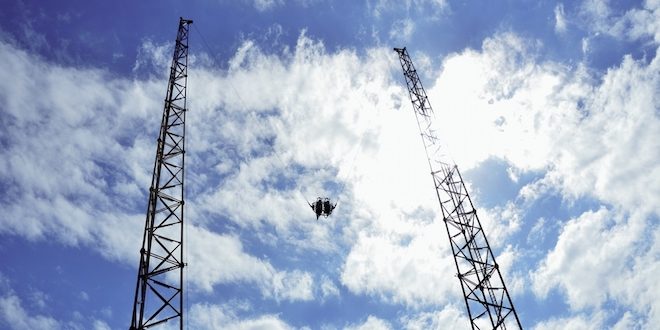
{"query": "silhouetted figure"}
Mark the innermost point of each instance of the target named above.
(322, 207)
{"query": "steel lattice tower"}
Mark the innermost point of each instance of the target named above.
(487, 300)
(159, 289)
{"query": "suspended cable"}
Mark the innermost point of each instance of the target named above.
(340, 192)
(240, 99)
(213, 59)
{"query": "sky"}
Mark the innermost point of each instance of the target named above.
(551, 111)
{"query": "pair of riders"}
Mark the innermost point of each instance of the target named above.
(322, 207)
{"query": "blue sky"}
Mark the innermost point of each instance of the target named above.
(550, 110)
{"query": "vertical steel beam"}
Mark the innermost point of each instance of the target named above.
(159, 288)
(488, 302)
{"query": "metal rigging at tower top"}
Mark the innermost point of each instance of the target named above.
(159, 288)
(488, 302)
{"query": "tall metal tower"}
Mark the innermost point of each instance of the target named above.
(487, 300)
(159, 288)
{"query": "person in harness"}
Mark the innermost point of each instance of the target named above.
(322, 207)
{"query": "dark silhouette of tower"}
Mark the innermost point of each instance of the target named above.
(487, 300)
(159, 288)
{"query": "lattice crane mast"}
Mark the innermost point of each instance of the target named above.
(487, 300)
(159, 288)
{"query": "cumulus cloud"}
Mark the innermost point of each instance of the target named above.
(100, 325)
(274, 129)
(538, 116)
(295, 285)
(586, 263)
(207, 267)
(436, 7)
(235, 135)
(538, 232)
(500, 222)
(597, 11)
(478, 92)
(591, 136)
(641, 22)
(402, 30)
(210, 316)
(378, 265)
(580, 321)
(330, 99)
(76, 170)
(224, 130)
(328, 288)
(560, 19)
(545, 117)
(264, 5)
(14, 316)
(371, 323)
(634, 24)
(450, 317)
(152, 57)
(64, 179)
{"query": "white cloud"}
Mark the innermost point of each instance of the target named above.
(542, 117)
(628, 321)
(611, 157)
(597, 9)
(500, 222)
(592, 139)
(513, 173)
(328, 288)
(538, 232)
(264, 5)
(378, 264)
(595, 137)
(634, 24)
(15, 317)
(433, 8)
(152, 57)
(64, 179)
(100, 325)
(83, 188)
(532, 191)
(580, 321)
(295, 285)
(330, 99)
(490, 93)
(208, 316)
(508, 260)
(402, 30)
(39, 298)
(560, 19)
(395, 234)
(586, 46)
(207, 268)
(642, 297)
(371, 323)
(592, 136)
(450, 317)
(641, 23)
(589, 250)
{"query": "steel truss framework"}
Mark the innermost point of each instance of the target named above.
(487, 300)
(159, 289)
